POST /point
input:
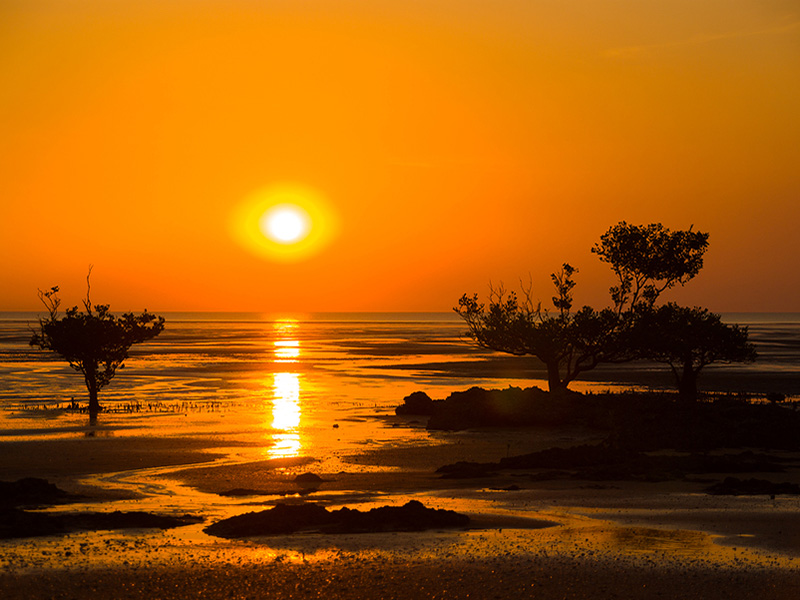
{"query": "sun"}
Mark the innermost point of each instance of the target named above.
(285, 223)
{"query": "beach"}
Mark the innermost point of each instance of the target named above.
(553, 539)
(529, 536)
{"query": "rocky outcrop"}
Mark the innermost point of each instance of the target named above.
(419, 404)
(16, 523)
(511, 407)
(634, 421)
(33, 492)
(292, 518)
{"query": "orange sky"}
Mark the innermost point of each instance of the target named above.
(451, 142)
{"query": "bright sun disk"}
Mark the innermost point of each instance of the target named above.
(285, 224)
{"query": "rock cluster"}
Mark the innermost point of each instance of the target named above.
(635, 421)
(34, 492)
(291, 518)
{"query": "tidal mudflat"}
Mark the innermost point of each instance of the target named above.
(212, 430)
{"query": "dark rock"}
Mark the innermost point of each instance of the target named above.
(290, 518)
(417, 403)
(127, 520)
(635, 421)
(15, 523)
(240, 492)
(412, 516)
(282, 519)
(467, 470)
(550, 475)
(32, 491)
(308, 478)
(605, 463)
(654, 424)
(731, 486)
(514, 407)
(586, 455)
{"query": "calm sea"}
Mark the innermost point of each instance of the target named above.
(330, 360)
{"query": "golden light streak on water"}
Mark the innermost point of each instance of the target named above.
(286, 411)
(286, 350)
(286, 414)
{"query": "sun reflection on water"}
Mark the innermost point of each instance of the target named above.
(286, 411)
(285, 416)
(286, 350)
(286, 404)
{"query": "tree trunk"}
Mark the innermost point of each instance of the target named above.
(94, 404)
(687, 383)
(554, 382)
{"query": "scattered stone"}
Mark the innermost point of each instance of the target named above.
(291, 518)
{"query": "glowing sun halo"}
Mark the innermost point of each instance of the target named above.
(285, 223)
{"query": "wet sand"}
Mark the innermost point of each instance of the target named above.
(553, 539)
(542, 578)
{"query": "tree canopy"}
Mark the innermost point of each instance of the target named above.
(567, 343)
(93, 341)
(688, 339)
(649, 259)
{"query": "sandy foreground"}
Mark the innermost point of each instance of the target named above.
(528, 539)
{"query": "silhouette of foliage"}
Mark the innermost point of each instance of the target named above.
(688, 339)
(93, 341)
(649, 259)
(567, 343)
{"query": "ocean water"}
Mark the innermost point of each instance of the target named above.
(241, 358)
(315, 371)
